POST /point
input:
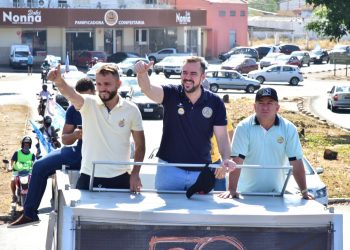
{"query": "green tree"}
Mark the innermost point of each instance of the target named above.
(331, 18)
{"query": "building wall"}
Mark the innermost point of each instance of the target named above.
(218, 27)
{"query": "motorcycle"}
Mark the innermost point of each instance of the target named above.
(42, 105)
(22, 184)
(44, 72)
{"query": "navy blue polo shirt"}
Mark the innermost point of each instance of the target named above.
(187, 127)
(73, 117)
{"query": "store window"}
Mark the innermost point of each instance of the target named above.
(192, 41)
(162, 38)
(232, 13)
(108, 41)
(36, 41)
(141, 36)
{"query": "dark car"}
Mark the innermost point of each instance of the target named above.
(288, 48)
(242, 65)
(147, 107)
(121, 56)
(240, 51)
(263, 50)
(85, 58)
(319, 56)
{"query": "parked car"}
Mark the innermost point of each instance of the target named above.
(288, 48)
(147, 107)
(263, 50)
(160, 54)
(278, 73)
(128, 65)
(339, 50)
(288, 59)
(315, 185)
(303, 56)
(240, 50)
(128, 84)
(242, 65)
(159, 66)
(19, 55)
(175, 66)
(72, 75)
(230, 79)
(339, 97)
(92, 71)
(319, 56)
(85, 58)
(269, 59)
(121, 56)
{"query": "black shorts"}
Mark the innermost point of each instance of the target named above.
(119, 182)
(30, 66)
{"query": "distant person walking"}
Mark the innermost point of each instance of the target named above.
(30, 63)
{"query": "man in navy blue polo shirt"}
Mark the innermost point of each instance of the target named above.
(191, 116)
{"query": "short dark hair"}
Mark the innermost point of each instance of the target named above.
(109, 68)
(84, 84)
(194, 59)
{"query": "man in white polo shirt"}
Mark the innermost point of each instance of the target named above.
(265, 138)
(108, 122)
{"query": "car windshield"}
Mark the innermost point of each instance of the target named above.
(342, 89)
(317, 52)
(297, 53)
(21, 53)
(98, 55)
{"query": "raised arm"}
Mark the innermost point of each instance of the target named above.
(67, 91)
(154, 92)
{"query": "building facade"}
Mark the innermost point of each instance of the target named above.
(59, 27)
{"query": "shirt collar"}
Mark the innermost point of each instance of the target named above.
(204, 94)
(276, 122)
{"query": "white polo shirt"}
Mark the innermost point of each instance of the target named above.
(106, 135)
(258, 146)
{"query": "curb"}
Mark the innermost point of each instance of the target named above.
(338, 200)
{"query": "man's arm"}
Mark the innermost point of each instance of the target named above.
(67, 91)
(154, 92)
(140, 149)
(70, 134)
(223, 140)
(299, 176)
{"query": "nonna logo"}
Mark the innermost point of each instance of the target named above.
(183, 19)
(31, 17)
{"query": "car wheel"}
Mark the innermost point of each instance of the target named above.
(333, 108)
(129, 72)
(328, 105)
(214, 88)
(261, 79)
(152, 58)
(250, 89)
(157, 72)
(167, 75)
(294, 81)
(149, 72)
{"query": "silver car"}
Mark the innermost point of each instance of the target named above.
(230, 79)
(339, 97)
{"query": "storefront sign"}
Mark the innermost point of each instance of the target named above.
(90, 18)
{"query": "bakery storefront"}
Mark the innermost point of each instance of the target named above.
(58, 31)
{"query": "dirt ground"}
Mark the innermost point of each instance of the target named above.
(13, 126)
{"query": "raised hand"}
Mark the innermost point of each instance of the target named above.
(55, 75)
(142, 68)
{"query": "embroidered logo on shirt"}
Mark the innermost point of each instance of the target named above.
(280, 139)
(121, 123)
(181, 111)
(207, 112)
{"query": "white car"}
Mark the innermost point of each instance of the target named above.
(278, 73)
(315, 185)
(230, 79)
(127, 66)
(159, 66)
(92, 71)
(175, 66)
(128, 84)
(72, 74)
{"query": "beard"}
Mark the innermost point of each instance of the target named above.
(192, 87)
(110, 95)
